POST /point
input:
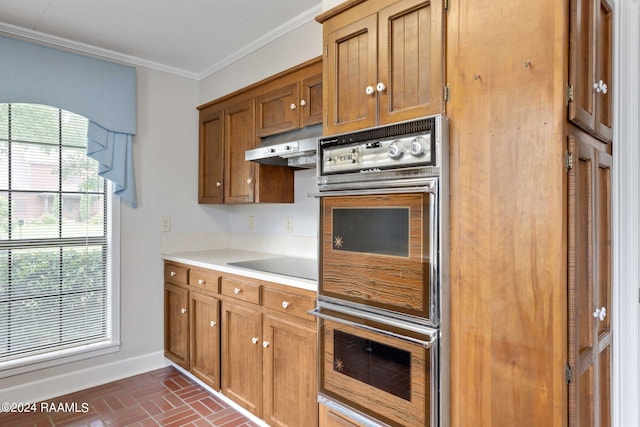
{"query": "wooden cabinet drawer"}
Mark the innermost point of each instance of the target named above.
(176, 274)
(205, 279)
(285, 302)
(244, 291)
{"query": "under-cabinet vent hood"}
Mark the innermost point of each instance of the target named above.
(296, 148)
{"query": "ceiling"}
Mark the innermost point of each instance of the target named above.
(192, 38)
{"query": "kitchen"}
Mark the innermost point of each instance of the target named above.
(165, 141)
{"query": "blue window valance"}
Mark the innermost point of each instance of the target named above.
(101, 91)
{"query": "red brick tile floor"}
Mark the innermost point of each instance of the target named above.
(164, 397)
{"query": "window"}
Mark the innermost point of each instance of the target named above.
(55, 239)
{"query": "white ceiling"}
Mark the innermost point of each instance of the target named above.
(192, 38)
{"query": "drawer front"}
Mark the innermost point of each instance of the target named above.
(206, 280)
(176, 274)
(244, 291)
(288, 303)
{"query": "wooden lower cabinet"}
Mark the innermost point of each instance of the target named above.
(242, 355)
(289, 366)
(330, 417)
(176, 331)
(204, 344)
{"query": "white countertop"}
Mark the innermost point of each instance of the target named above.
(219, 259)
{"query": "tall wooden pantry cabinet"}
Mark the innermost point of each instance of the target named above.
(530, 142)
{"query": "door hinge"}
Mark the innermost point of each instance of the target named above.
(326, 50)
(446, 5)
(570, 93)
(446, 93)
(568, 161)
(568, 374)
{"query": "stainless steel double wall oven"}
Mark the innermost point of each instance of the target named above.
(383, 288)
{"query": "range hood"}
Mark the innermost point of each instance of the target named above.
(296, 148)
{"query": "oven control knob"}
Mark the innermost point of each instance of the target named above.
(417, 146)
(395, 150)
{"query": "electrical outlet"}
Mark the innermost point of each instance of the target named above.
(165, 223)
(288, 224)
(251, 222)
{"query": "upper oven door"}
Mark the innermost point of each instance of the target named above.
(380, 250)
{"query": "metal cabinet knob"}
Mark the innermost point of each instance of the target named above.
(249, 180)
(183, 310)
(369, 90)
(200, 282)
(172, 274)
(212, 323)
(237, 290)
(265, 344)
(255, 340)
(303, 102)
(292, 106)
(600, 313)
(218, 184)
(380, 87)
(600, 87)
(285, 304)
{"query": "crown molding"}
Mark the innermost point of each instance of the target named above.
(86, 49)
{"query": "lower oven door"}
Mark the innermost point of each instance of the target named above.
(386, 372)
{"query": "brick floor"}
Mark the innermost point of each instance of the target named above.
(164, 397)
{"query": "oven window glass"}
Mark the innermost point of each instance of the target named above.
(378, 365)
(380, 231)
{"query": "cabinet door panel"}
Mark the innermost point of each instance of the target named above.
(604, 70)
(410, 60)
(205, 338)
(176, 324)
(351, 68)
(211, 158)
(240, 136)
(311, 111)
(289, 373)
(582, 63)
(277, 111)
(242, 356)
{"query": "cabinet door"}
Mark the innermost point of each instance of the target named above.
(240, 136)
(410, 62)
(205, 338)
(330, 418)
(176, 324)
(242, 356)
(211, 157)
(589, 299)
(590, 61)
(311, 101)
(278, 110)
(289, 373)
(351, 68)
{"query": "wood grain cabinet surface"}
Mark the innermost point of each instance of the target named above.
(251, 339)
(233, 124)
(384, 62)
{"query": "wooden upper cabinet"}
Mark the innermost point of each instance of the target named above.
(292, 101)
(383, 63)
(211, 157)
(240, 136)
(590, 67)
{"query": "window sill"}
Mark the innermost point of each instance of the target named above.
(48, 360)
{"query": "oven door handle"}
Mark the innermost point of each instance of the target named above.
(433, 335)
(429, 188)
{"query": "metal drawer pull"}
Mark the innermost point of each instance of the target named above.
(212, 323)
(265, 344)
(172, 274)
(183, 310)
(218, 183)
(285, 304)
(255, 340)
(236, 291)
(200, 282)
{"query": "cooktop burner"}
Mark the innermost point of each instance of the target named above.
(287, 266)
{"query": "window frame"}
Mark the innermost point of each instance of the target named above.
(112, 344)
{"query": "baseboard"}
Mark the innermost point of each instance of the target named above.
(60, 385)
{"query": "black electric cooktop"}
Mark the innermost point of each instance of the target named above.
(287, 266)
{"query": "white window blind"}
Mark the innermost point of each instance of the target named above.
(54, 235)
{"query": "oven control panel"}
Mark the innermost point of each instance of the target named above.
(380, 154)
